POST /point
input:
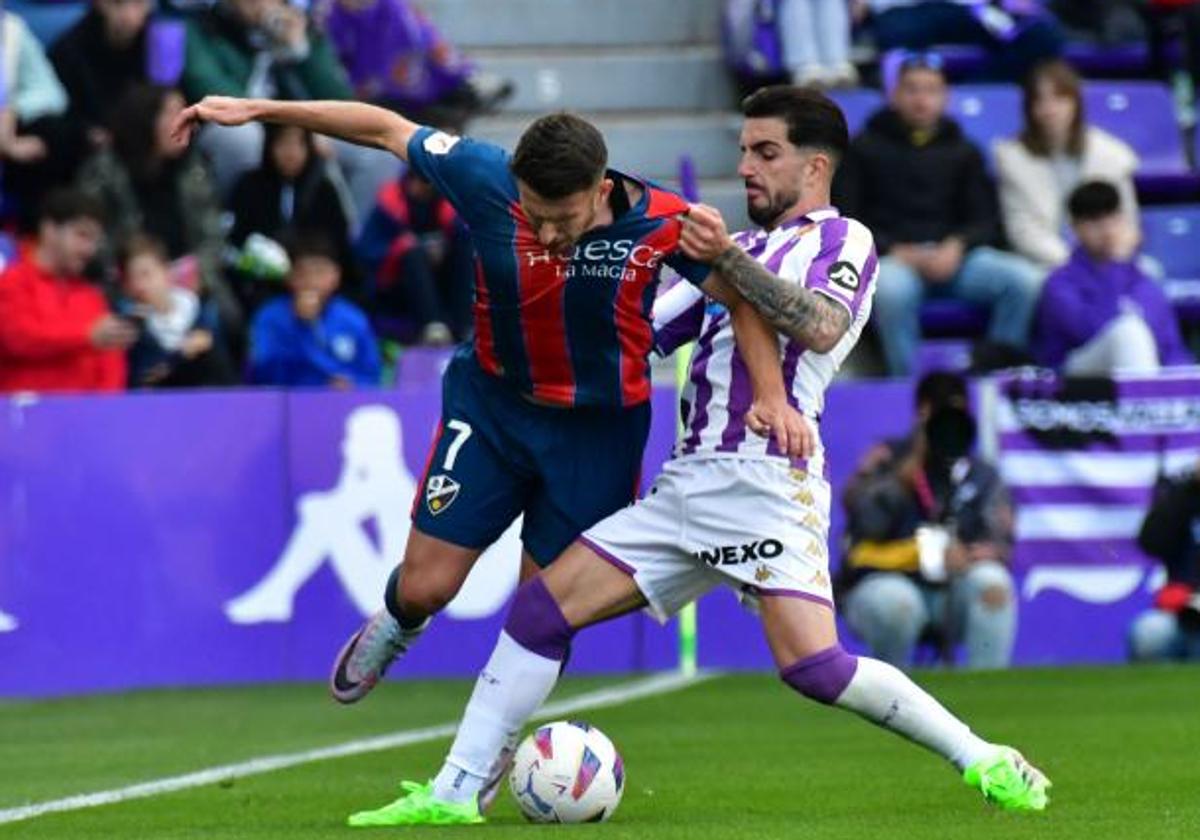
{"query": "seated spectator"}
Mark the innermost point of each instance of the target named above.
(1100, 313)
(267, 48)
(147, 182)
(419, 259)
(815, 35)
(100, 58)
(39, 147)
(396, 58)
(1171, 533)
(930, 531)
(57, 333)
(920, 185)
(289, 192)
(312, 336)
(1056, 151)
(178, 343)
(1016, 33)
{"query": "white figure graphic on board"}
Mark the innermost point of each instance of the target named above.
(7, 622)
(375, 486)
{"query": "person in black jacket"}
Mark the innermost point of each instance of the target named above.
(291, 191)
(100, 58)
(1171, 533)
(920, 185)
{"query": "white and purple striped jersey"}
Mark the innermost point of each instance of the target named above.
(822, 251)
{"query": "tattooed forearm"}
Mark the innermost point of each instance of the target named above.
(804, 316)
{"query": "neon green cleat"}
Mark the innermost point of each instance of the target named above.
(1006, 779)
(418, 807)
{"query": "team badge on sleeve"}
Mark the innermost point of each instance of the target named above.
(440, 143)
(844, 274)
(440, 493)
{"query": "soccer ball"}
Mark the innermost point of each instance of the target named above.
(567, 772)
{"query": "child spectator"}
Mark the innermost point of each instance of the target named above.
(57, 333)
(290, 191)
(178, 344)
(1056, 151)
(1100, 313)
(419, 259)
(312, 336)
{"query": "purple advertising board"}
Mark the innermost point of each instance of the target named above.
(199, 538)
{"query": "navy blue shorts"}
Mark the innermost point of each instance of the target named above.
(498, 455)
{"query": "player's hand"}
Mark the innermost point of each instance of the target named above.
(113, 333)
(791, 430)
(704, 237)
(222, 110)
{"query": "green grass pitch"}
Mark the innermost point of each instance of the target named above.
(733, 757)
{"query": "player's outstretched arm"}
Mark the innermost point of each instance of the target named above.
(808, 317)
(366, 125)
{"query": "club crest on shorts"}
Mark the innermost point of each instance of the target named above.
(762, 574)
(440, 493)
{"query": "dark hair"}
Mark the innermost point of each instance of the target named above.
(304, 244)
(133, 129)
(940, 389)
(813, 119)
(1093, 200)
(1065, 82)
(559, 155)
(63, 205)
(141, 244)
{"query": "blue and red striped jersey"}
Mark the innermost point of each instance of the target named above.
(571, 331)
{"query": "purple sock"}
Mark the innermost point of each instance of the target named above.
(823, 676)
(536, 623)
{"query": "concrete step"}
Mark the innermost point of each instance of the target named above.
(506, 23)
(647, 144)
(612, 78)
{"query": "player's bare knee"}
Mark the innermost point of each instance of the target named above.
(823, 676)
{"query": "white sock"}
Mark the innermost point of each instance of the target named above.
(885, 696)
(510, 688)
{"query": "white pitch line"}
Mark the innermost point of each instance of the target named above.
(648, 687)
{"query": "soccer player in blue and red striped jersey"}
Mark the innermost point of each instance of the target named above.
(546, 412)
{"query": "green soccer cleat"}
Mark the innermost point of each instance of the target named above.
(418, 807)
(1006, 779)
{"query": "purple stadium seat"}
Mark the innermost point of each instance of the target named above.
(858, 104)
(943, 355)
(986, 113)
(1170, 237)
(942, 317)
(1111, 61)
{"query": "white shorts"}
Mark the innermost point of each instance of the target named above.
(757, 525)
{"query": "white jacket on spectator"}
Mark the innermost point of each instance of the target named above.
(29, 85)
(1034, 189)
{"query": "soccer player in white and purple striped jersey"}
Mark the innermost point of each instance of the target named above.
(731, 507)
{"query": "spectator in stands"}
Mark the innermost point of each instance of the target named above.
(419, 259)
(100, 58)
(930, 529)
(267, 48)
(56, 330)
(289, 192)
(1101, 313)
(149, 183)
(920, 185)
(313, 336)
(397, 58)
(1165, 18)
(816, 42)
(1016, 33)
(1171, 533)
(179, 340)
(39, 147)
(1056, 151)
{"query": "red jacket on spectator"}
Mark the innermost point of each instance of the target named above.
(45, 334)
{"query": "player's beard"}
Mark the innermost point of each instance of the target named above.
(766, 215)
